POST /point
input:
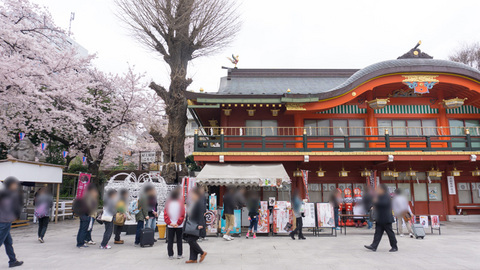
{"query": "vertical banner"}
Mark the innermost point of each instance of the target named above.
(264, 219)
(451, 185)
(305, 183)
(325, 215)
(83, 181)
(212, 202)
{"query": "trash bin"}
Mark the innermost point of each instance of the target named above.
(161, 230)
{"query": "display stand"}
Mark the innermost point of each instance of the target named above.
(325, 219)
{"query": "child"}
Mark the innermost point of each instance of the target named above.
(253, 215)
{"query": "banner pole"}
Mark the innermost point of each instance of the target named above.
(56, 205)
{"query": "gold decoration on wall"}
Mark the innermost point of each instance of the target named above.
(453, 103)
(251, 112)
(420, 78)
(227, 112)
(295, 107)
(378, 103)
(275, 112)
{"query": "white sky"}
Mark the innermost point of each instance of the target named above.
(286, 34)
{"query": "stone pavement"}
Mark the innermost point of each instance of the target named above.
(457, 248)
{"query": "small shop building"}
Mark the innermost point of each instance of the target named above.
(412, 123)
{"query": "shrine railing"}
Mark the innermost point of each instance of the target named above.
(268, 139)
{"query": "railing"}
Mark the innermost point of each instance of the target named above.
(267, 139)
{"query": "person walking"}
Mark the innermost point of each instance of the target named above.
(402, 211)
(253, 204)
(142, 215)
(335, 200)
(109, 209)
(121, 215)
(10, 208)
(43, 203)
(85, 208)
(174, 215)
(229, 204)
(297, 204)
(384, 219)
(152, 210)
(367, 201)
(196, 218)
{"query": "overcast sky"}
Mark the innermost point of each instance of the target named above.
(286, 34)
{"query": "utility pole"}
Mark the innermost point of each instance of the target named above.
(72, 17)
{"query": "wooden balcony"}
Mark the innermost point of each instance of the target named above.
(336, 139)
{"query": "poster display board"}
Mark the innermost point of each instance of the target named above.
(424, 221)
(83, 181)
(212, 202)
(211, 218)
(435, 221)
(264, 218)
(309, 219)
(282, 215)
(325, 215)
(238, 220)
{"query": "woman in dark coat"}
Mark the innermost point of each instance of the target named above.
(195, 214)
(384, 219)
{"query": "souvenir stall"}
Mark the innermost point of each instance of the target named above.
(248, 175)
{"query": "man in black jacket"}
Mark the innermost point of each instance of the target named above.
(10, 208)
(229, 205)
(384, 219)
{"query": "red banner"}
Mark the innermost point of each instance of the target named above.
(83, 181)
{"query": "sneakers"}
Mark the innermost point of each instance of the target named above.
(179, 257)
(41, 240)
(119, 242)
(227, 237)
(90, 242)
(171, 257)
(402, 235)
(254, 237)
(84, 246)
(248, 234)
(15, 264)
(105, 247)
(411, 235)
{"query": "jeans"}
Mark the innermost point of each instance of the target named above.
(140, 225)
(195, 249)
(151, 223)
(117, 231)
(107, 234)
(299, 227)
(172, 233)
(42, 226)
(379, 229)
(6, 239)
(253, 224)
(335, 212)
(83, 230)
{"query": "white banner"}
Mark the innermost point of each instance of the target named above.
(451, 185)
(148, 157)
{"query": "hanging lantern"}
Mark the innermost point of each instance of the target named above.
(432, 173)
(476, 172)
(297, 173)
(388, 172)
(320, 172)
(411, 172)
(21, 135)
(251, 112)
(378, 103)
(365, 173)
(453, 103)
(395, 173)
(455, 172)
(343, 173)
(227, 112)
(439, 173)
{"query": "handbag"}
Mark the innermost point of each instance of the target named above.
(119, 219)
(407, 217)
(107, 217)
(191, 228)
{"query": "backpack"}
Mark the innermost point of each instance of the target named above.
(133, 207)
(41, 211)
(78, 207)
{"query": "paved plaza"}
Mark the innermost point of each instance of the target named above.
(456, 248)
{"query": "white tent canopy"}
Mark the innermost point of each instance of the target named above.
(27, 171)
(241, 174)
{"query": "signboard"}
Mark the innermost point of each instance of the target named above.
(83, 181)
(264, 218)
(211, 218)
(309, 219)
(212, 202)
(424, 221)
(237, 224)
(451, 185)
(148, 157)
(435, 221)
(281, 216)
(325, 215)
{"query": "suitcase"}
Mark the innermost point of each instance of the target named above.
(418, 230)
(147, 237)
